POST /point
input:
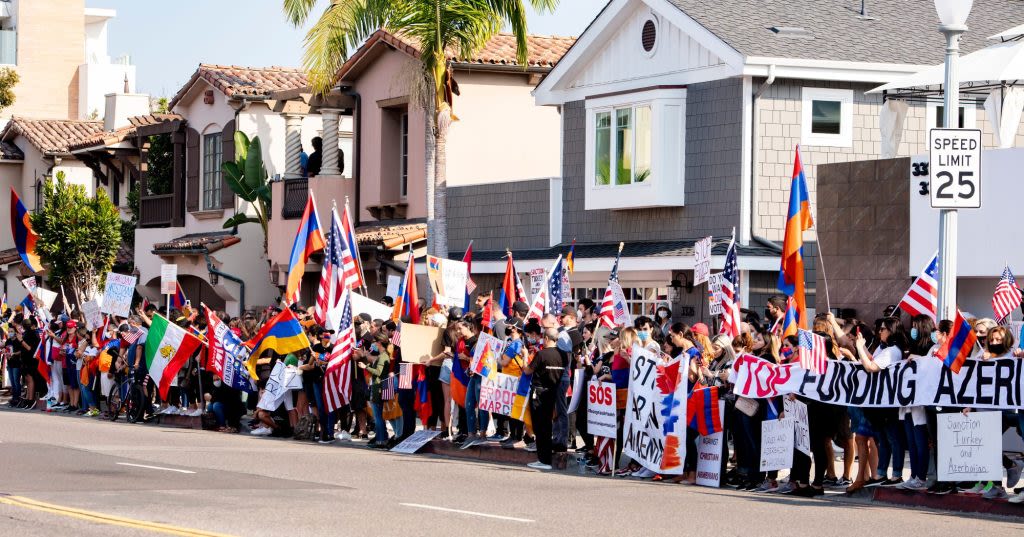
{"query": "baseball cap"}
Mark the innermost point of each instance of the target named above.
(700, 328)
(520, 307)
(612, 334)
(569, 310)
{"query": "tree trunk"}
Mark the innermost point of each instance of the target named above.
(444, 120)
(428, 175)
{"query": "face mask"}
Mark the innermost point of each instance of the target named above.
(642, 336)
(914, 333)
(216, 384)
(935, 337)
(768, 314)
(786, 353)
(508, 331)
(997, 349)
(663, 314)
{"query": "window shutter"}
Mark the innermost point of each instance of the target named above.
(227, 139)
(192, 156)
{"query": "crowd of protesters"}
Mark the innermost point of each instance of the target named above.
(852, 448)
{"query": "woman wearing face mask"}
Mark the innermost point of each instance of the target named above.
(981, 328)
(924, 341)
(226, 405)
(892, 345)
(770, 350)
(664, 319)
(514, 358)
(645, 334)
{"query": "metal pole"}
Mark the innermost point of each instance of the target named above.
(948, 217)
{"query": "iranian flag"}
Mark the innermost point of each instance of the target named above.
(168, 347)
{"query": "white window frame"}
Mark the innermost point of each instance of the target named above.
(970, 116)
(845, 136)
(664, 188)
(645, 305)
(403, 157)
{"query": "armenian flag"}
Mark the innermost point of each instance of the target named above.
(407, 301)
(178, 298)
(460, 380)
(702, 411)
(308, 240)
(24, 238)
(282, 334)
(422, 404)
(958, 345)
(510, 288)
(798, 220)
(791, 322)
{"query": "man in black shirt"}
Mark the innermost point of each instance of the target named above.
(547, 368)
(29, 341)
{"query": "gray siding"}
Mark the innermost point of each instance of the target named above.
(714, 130)
(496, 216)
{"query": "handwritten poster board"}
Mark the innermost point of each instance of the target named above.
(776, 445)
(970, 446)
(168, 279)
(797, 411)
(117, 296)
(709, 455)
(701, 261)
(93, 315)
(715, 294)
(498, 394)
(447, 279)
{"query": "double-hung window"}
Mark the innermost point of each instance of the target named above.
(211, 171)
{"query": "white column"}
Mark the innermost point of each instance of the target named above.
(330, 138)
(293, 146)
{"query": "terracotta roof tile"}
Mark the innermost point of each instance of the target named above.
(153, 119)
(125, 255)
(106, 138)
(388, 234)
(51, 136)
(196, 243)
(233, 80)
(9, 256)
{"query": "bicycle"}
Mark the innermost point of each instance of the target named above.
(134, 402)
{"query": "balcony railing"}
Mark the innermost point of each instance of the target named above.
(8, 47)
(156, 211)
(296, 192)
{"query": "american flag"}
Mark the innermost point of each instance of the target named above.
(540, 303)
(387, 389)
(352, 244)
(396, 338)
(133, 335)
(813, 356)
(339, 271)
(405, 376)
(1007, 296)
(609, 308)
(730, 293)
(555, 301)
(338, 375)
(922, 296)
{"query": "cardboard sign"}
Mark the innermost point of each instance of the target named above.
(709, 460)
(537, 277)
(776, 445)
(30, 284)
(46, 297)
(93, 315)
(498, 394)
(420, 343)
(447, 279)
(970, 447)
(566, 290)
(701, 261)
(117, 296)
(168, 279)
(601, 409)
(415, 442)
(715, 294)
(797, 411)
(394, 282)
(376, 310)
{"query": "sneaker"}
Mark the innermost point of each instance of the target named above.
(892, 482)
(184, 411)
(1013, 474)
(262, 431)
(459, 439)
(345, 436)
(496, 438)
(1017, 499)
(787, 488)
(93, 413)
(326, 441)
(830, 482)
(912, 484)
(509, 443)
(995, 492)
(195, 413)
(978, 488)
(642, 473)
(768, 486)
(808, 492)
(871, 483)
(532, 448)
(941, 489)
(169, 410)
(537, 465)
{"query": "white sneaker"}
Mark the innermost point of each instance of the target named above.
(537, 465)
(1017, 499)
(170, 410)
(196, 413)
(978, 488)
(345, 436)
(643, 473)
(912, 484)
(262, 431)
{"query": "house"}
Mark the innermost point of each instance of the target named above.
(59, 50)
(679, 121)
(500, 138)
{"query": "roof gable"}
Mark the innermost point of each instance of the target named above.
(235, 81)
(51, 136)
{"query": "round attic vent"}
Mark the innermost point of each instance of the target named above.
(649, 35)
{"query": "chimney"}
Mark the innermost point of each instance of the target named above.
(121, 106)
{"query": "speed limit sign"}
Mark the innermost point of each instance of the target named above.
(955, 164)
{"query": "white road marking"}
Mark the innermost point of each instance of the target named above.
(472, 513)
(156, 468)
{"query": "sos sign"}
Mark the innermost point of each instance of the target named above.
(955, 165)
(601, 394)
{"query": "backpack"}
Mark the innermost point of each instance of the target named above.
(306, 427)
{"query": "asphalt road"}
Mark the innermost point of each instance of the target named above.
(70, 476)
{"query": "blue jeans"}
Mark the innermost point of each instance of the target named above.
(917, 445)
(15, 374)
(560, 428)
(218, 412)
(88, 398)
(379, 425)
(892, 447)
(475, 420)
(327, 419)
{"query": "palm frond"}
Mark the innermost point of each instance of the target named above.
(297, 11)
(341, 27)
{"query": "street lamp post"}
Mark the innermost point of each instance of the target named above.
(952, 23)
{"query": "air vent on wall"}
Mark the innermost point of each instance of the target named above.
(649, 35)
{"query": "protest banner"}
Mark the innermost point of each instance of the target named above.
(970, 446)
(497, 394)
(715, 294)
(168, 279)
(420, 343)
(413, 443)
(282, 380)
(447, 279)
(776, 445)
(601, 409)
(797, 411)
(577, 391)
(654, 433)
(566, 289)
(484, 341)
(376, 310)
(917, 381)
(93, 315)
(709, 455)
(537, 277)
(701, 260)
(117, 296)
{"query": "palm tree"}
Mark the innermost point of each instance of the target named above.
(439, 29)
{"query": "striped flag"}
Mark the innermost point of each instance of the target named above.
(608, 311)
(352, 242)
(922, 296)
(132, 335)
(730, 292)
(338, 375)
(396, 338)
(1007, 296)
(387, 389)
(405, 376)
(339, 271)
(813, 356)
(604, 448)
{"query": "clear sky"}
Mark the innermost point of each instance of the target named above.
(167, 39)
